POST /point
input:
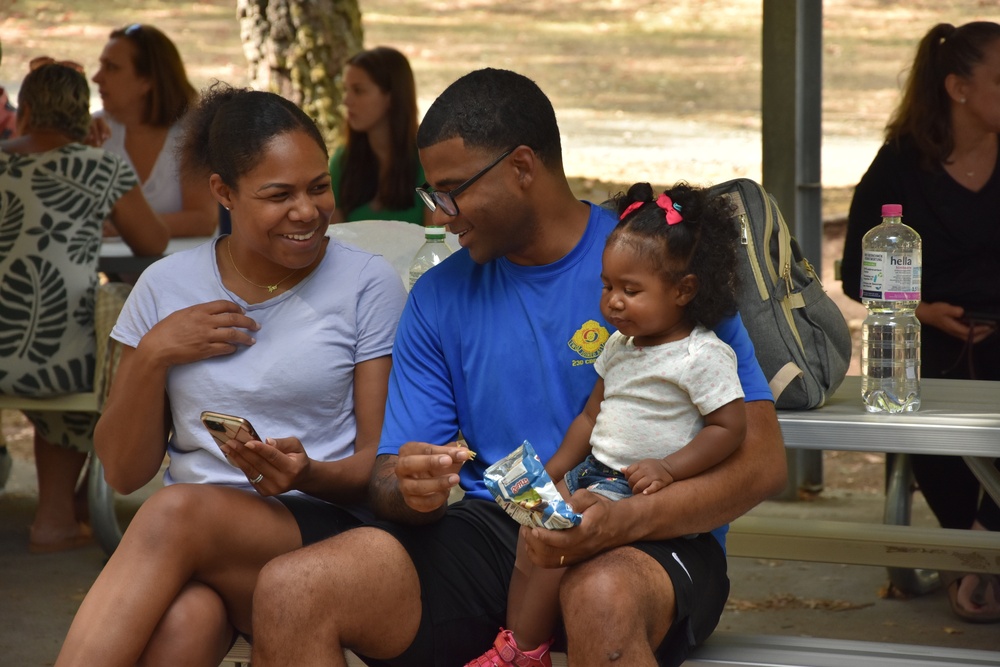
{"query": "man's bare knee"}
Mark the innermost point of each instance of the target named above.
(619, 606)
(357, 590)
(289, 586)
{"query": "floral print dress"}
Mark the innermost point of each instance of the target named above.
(52, 208)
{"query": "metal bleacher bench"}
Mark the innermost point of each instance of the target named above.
(744, 650)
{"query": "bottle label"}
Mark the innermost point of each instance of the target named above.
(886, 277)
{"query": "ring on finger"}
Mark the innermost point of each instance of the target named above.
(256, 480)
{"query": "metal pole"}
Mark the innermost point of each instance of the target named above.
(791, 127)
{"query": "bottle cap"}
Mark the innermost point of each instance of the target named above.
(433, 232)
(892, 210)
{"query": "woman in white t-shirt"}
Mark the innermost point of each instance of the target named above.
(274, 323)
(145, 92)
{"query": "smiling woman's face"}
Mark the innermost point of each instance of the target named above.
(281, 208)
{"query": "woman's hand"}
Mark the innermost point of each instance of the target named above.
(109, 231)
(199, 332)
(274, 466)
(98, 133)
(948, 318)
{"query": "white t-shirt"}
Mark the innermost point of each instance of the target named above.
(162, 188)
(654, 397)
(296, 380)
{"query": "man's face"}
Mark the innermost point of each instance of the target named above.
(494, 219)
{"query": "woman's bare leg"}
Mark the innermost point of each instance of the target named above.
(194, 632)
(58, 470)
(217, 536)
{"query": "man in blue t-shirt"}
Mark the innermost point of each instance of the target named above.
(498, 343)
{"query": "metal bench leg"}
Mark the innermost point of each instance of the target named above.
(898, 506)
(103, 517)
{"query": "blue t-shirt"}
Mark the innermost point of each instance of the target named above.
(505, 353)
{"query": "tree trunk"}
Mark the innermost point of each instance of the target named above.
(297, 48)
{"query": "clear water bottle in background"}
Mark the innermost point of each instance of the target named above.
(890, 288)
(432, 252)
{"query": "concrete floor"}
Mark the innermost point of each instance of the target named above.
(40, 594)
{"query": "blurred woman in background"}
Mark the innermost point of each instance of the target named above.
(145, 92)
(940, 162)
(376, 172)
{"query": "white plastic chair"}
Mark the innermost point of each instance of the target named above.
(397, 241)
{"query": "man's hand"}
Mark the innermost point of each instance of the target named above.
(596, 533)
(426, 473)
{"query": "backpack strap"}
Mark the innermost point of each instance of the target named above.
(784, 377)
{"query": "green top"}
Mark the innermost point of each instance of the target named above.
(414, 214)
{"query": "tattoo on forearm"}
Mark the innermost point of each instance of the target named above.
(384, 488)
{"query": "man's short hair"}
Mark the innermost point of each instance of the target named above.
(494, 109)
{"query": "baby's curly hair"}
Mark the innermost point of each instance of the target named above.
(703, 243)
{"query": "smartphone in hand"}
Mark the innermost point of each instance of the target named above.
(228, 427)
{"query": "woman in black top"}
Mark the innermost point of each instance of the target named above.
(940, 162)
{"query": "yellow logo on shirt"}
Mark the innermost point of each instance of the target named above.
(589, 339)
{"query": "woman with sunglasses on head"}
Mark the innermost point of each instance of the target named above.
(145, 92)
(375, 171)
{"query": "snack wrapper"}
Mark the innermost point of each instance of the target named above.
(520, 484)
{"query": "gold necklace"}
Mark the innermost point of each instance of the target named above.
(270, 288)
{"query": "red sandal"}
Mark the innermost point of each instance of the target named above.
(505, 653)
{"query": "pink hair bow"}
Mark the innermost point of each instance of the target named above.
(631, 207)
(672, 210)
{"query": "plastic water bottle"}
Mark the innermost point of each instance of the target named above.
(890, 288)
(431, 253)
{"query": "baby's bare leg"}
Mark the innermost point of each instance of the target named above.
(533, 600)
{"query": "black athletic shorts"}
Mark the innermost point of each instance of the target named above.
(465, 560)
(317, 519)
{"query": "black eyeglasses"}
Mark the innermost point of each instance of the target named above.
(446, 200)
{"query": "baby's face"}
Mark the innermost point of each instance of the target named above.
(637, 300)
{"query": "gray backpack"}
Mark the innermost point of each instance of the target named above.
(801, 338)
